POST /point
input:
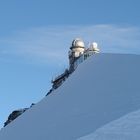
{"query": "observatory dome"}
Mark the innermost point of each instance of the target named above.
(78, 43)
(94, 46)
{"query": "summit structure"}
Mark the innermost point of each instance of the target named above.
(77, 54)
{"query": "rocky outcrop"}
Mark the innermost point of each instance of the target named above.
(15, 114)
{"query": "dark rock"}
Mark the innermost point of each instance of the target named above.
(14, 115)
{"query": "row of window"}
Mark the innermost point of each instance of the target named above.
(82, 58)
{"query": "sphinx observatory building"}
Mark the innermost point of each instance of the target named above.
(77, 54)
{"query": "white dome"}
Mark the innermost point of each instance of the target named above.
(78, 43)
(94, 45)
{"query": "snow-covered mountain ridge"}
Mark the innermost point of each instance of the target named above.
(102, 89)
(124, 128)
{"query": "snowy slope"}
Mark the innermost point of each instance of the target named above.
(103, 88)
(125, 128)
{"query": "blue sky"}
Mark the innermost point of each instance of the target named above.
(35, 36)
